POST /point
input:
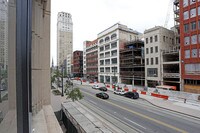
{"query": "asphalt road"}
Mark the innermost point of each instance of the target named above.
(138, 115)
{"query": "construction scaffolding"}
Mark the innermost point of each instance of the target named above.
(132, 66)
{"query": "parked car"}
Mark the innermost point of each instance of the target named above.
(133, 95)
(95, 87)
(119, 92)
(103, 89)
(102, 95)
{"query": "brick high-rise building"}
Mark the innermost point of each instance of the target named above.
(190, 43)
(92, 59)
(78, 63)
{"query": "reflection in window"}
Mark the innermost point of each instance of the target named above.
(194, 39)
(185, 3)
(194, 53)
(192, 2)
(198, 10)
(193, 13)
(185, 15)
(186, 40)
(187, 54)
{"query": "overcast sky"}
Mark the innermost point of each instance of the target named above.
(93, 16)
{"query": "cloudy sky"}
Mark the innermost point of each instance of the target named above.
(93, 16)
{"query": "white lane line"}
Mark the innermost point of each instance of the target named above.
(155, 112)
(92, 102)
(134, 123)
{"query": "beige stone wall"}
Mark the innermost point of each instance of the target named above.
(40, 55)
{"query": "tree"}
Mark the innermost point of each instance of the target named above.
(72, 93)
(75, 94)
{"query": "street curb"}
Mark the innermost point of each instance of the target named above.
(169, 109)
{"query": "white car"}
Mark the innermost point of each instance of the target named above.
(95, 87)
(119, 92)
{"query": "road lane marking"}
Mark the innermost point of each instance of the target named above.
(134, 123)
(142, 115)
(92, 102)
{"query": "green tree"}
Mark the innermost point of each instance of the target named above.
(75, 94)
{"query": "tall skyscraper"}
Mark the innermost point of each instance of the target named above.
(3, 34)
(64, 36)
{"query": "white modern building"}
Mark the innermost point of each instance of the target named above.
(64, 36)
(110, 41)
(3, 34)
(156, 39)
(84, 58)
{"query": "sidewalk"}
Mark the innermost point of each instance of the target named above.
(179, 107)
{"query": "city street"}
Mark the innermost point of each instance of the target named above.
(137, 115)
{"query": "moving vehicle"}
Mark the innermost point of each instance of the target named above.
(102, 95)
(95, 87)
(133, 95)
(166, 87)
(103, 89)
(119, 92)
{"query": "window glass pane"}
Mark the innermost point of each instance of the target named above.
(7, 71)
(199, 10)
(185, 15)
(193, 25)
(193, 13)
(194, 53)
(151, 39)
(147, 60)
(152, 72)
(186, 27)
(146, 40)
(194, 39)
(187, 40)
(192, 2)
(187, 53)
(156, 38)
(156, 60)
(185, 3)
(147, 51)
(114, 61)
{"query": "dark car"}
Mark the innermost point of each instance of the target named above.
(103, 89)
(102, 95)
(133, 95)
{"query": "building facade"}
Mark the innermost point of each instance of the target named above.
(190, 44)
(3, 34)
(64, 36)
(69, 64)
(84, 58)
(132, 63)
(110, 41)
(92, 60)
(27, 100)
(78, 63)
(156, 40)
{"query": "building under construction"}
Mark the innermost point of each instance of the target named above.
(171, 67)
(132, 64)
